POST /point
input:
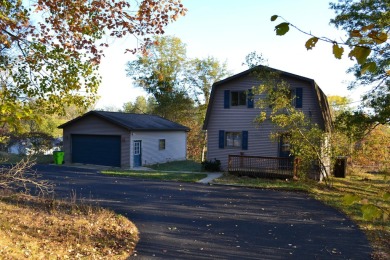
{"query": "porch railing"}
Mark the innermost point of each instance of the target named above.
(266, 167)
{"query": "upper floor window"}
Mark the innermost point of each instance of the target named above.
(238, 98)
(297, 95)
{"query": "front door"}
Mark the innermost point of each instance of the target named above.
(284, 145)
(284, 152)
(137, 153)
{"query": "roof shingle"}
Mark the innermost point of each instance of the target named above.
(134, 122)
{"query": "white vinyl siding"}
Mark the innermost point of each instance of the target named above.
(175, 146)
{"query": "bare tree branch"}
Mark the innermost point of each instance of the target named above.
(22, 178)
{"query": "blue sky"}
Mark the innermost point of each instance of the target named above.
(229, 30)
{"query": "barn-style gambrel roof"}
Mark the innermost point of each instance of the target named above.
(321, 97)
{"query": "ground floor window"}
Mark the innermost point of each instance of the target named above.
(161, 144)
(284, 145)
(233, 139)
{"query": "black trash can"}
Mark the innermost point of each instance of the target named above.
(340, 167)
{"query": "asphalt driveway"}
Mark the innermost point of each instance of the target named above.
(196, 221)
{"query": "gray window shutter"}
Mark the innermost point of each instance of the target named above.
(221, 139)
(244, 140)
(250, 101)
(226, 103)
(298, 97)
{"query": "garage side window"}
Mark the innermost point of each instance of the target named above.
(161, 144)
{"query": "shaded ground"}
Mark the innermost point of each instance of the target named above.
(195, 221)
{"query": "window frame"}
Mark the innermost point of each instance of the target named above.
(296, 95)
(236, 139)
(241, 96)
(285, 144)
(137, 148)
(161, 144)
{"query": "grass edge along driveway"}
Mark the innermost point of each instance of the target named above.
(157, 175)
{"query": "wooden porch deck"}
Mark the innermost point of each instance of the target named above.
(263, 167)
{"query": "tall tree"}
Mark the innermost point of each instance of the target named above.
(367, 24)
(374, 149)
(338, 104)
(50, 50)
(161, 71)
(254, 59)
(202, 73)
(140, 106)
(180, 86)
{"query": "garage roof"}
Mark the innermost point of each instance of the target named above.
(132, 122)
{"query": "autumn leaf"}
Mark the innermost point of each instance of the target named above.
(355, 33)
(368, 27)
(282, 28)
(311, 43)
(368, 67)
(337, 51)
(66, 44)
(382, 38)
(360, 53)
(378, 38)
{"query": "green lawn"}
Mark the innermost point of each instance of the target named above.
(263, 183)
(157, 175)
(188, 166)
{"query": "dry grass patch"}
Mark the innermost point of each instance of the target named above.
(47, 229)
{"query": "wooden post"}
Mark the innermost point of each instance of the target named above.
(241, 159)
(229, 162)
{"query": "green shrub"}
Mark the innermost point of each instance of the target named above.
(212, 165)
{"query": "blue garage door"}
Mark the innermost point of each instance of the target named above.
(97, 149)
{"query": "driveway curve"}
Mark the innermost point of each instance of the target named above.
(196, 221)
